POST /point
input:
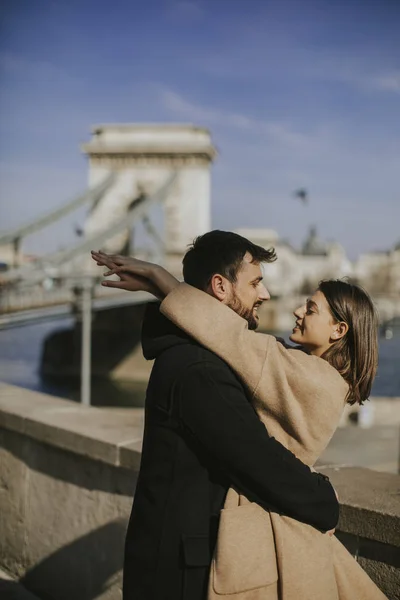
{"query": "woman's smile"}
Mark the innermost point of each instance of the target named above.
(297, 327)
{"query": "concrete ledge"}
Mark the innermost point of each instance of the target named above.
(113, 436)
(63, 519)
(369, 503)
(369, 523)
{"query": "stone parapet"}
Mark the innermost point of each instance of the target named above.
(67, 479)
(370, 503)
(369, 524)
(112, 436)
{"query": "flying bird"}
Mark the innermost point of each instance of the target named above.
(302, 194)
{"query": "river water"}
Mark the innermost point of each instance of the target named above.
(20, 352)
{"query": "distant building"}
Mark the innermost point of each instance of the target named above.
(299, 271)
(379, 272)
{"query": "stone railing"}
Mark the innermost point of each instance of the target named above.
(67, 479)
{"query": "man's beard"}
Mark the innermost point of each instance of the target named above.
(246, 313)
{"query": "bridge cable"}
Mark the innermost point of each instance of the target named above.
(139, 207)
(89, 196)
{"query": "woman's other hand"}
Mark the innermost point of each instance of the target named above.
(136, 275)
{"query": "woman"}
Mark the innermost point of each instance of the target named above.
(300, 400)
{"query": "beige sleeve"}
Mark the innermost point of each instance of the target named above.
(220, 329)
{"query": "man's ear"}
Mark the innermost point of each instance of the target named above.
(340, 331)
(219, 287)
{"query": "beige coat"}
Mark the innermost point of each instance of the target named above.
(262, 555)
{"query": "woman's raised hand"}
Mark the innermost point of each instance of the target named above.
(135, 275)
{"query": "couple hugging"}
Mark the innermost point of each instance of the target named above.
(227, 504)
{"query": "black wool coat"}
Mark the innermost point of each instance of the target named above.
(202, 436)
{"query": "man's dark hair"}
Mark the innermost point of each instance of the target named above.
(220, 252)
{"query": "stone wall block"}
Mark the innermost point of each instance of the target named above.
(14, 486)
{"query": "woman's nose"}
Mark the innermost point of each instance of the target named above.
(299, 312)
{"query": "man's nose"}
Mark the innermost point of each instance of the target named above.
(264, 293)
(299, 312)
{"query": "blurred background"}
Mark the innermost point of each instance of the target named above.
(134, 126)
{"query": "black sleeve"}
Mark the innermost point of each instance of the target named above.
(213, 408)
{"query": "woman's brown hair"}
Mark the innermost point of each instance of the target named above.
(355, 355)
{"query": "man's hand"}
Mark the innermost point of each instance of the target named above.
(332, 531)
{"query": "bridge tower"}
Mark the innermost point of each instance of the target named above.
(143, 157)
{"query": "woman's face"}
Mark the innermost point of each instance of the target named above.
(315, 327)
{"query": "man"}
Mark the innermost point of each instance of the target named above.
(202, 436)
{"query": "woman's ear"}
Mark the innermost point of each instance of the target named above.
(340, 330)
(218, 287)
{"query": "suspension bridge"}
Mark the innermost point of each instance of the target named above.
(51, 285)
(133, 169)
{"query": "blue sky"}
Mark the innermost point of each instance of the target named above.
(296, 94)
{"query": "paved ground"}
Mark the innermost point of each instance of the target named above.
(12, 590)
(375, 447)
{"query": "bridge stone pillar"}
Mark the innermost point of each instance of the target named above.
(143, 157)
